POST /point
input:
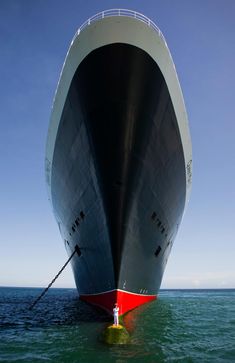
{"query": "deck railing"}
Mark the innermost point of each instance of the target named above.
(121, 12)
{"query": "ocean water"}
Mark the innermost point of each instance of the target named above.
(181, 326)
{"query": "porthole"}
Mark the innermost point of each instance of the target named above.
(158, 250)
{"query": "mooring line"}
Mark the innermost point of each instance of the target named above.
(76, 250)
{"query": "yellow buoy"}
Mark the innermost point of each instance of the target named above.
(116, 334)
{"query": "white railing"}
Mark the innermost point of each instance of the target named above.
(120, 12)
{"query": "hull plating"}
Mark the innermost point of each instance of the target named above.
(118, 177)
(126, 300)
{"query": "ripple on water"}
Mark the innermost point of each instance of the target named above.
(181, 326)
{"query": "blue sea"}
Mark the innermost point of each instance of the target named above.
(181, 326)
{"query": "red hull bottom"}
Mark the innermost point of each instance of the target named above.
(126, 300)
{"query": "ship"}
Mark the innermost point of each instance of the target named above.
(118, 158)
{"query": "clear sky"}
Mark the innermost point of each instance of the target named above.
(34, 39)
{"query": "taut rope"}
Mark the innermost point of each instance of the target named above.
(76, 250)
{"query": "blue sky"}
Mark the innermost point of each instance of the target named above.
(34, 39)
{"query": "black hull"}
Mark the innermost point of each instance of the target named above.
(118, 176)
